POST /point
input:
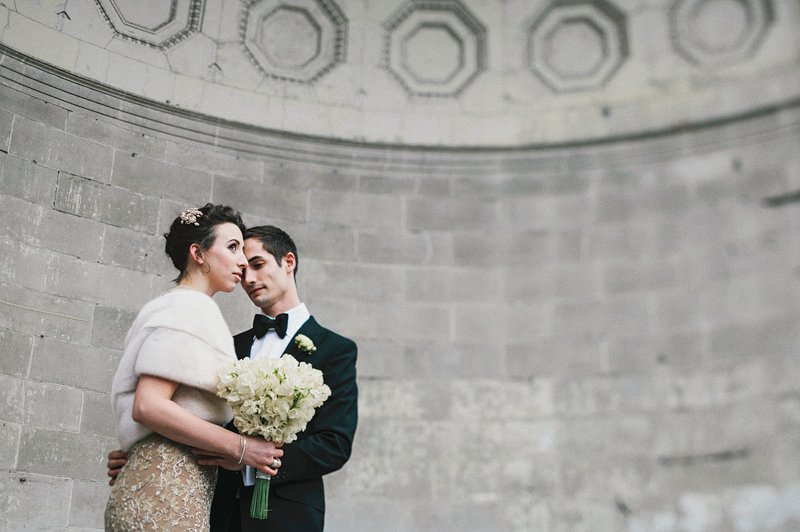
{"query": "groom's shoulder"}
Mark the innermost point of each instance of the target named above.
(333, 337)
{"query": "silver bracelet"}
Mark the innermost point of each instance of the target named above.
(243, 445)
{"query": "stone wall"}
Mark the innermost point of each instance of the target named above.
(597, 336)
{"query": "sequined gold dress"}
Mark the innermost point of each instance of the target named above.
(161, 488)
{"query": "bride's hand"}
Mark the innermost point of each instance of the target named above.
(263, 455)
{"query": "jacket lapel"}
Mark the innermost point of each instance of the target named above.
(315, 332)
(242, 343)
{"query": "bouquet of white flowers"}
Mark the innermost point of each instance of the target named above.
(273, 398)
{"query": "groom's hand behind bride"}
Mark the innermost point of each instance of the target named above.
(206, 458)
(116, 459)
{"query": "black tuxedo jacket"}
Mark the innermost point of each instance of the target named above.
(296, 496)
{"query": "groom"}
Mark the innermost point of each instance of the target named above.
(296, 497)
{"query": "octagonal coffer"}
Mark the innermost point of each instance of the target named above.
(154, 23)
(434, 48)
(577, 44)
(719, 32)
(296, 40)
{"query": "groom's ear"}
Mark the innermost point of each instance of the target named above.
(289, 262)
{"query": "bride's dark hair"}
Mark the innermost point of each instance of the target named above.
(196, 226)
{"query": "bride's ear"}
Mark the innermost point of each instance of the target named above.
(196, 253)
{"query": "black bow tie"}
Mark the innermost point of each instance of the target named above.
(261, 324)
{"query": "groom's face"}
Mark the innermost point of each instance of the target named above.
(266, 282)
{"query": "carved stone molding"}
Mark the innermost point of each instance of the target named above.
(297, 40)
(716, 32)
(577, 44)
(158, 24)
(419, 27)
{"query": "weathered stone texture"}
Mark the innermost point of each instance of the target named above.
(592, 336)
(55, 149)
(108, 204)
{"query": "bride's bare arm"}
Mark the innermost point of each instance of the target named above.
(153, 407)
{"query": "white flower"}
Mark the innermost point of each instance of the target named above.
(304, 344)
(273, 397)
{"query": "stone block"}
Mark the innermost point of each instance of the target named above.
(526, 212)
(298, 177)
(61, 151)
(110, 326)
(288, 204)
(431, 358)
(9, 443)
(392, 248)
(619, 276)
(682, 353)
(110, 134)
(75, 365)
(156, 260)
(149, 176)
(499, 322)
(471, 285)
(521, 283)
(409, 321)
(404, 399)
(616, 242)
(52, 406)
(219, 162)
(602, 395)
(719, 387)
(106, 203)
(97, 417)
(449, 215)
(12, 399)
(369, 211)
(6, 119)
(362, 283)
(614, 207)
(487, 399)
(676, 310)
(27, 180)
(87, 506)
(32, 108)
(64, 454)
(23, 265)
(714, 435)
(17, 349)
(100, 283)
(44, 314)
(45, 228)
(389, 185)
(743, 341)
(381, 358)
(128, 248)
(381, 444)
(35, 501)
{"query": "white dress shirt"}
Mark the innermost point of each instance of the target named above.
(273, 346)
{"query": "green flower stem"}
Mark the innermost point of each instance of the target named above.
(259, 507)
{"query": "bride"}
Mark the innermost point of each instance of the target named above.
(163, 393)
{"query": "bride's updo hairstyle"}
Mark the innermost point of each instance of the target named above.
(196, 226)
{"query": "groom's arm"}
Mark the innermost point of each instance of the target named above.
(326, 444)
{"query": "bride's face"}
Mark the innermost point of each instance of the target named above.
(225, 259)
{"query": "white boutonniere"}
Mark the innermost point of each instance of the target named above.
(304, 344)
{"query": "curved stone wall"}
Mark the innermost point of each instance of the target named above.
(598, 336)
(478, 73)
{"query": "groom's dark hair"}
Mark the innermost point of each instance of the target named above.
(276, 241)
